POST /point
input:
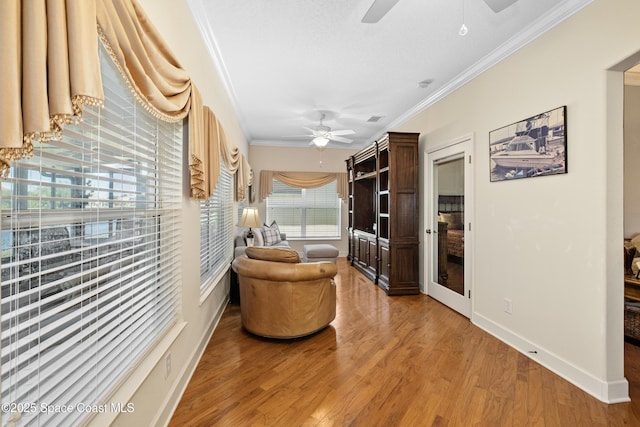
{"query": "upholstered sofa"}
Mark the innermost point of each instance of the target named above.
(268, 236)
(240, 244)
(282, 297)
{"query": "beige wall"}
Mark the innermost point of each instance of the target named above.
(552, 244)
(306, 159)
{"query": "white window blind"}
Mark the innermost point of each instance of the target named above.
(305, 212)
(216, 231)
(241, 205)
(90, 244)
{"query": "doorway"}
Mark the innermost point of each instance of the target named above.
(631, 210)
(448, 224)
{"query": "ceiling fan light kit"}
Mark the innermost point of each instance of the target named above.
(322, 135)
(320, 141)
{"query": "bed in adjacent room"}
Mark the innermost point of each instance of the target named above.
(451, 211)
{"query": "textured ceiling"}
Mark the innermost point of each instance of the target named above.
(284, 62)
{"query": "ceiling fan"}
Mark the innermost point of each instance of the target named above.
(379, 8)
(323, 134)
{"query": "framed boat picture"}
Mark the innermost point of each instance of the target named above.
(536, 146)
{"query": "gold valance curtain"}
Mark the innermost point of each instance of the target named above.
(303, 180)
(243, 179)
(236, 163)
(145, 61)
(204, 162)
(197, 152)
(165, 88)
(207, 145)
(49, 69)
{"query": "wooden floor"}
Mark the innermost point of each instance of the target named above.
(386, 361)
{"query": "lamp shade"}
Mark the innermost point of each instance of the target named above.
(250, 218)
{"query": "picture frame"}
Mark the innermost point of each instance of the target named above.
(535, 146)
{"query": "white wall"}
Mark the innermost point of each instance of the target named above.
(549, 243)
(306, 159)
(631, 161)
(154, 396)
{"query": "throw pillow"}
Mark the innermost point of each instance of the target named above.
(276, 254)
(271, 234)
(274, 226)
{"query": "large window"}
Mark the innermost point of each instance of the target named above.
(90, 233)
(216, 231)
(305, 213)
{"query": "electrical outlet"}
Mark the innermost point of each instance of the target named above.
(167, 366)
(508, 306)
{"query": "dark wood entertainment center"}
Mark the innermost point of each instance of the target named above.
(383, 212)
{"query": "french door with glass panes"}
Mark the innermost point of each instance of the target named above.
(448, 224)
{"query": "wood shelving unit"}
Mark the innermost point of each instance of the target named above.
(383, 214)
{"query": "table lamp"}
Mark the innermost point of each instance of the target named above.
(250, 218)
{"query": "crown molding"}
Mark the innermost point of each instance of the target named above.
(199, 14)
(302, 144)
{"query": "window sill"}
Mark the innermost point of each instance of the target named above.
(213, 282)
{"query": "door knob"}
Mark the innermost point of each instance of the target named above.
(428, 231)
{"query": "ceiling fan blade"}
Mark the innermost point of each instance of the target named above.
(378, 10)
(313, 131)
(341, 139)
(499, 5)
(343, 132)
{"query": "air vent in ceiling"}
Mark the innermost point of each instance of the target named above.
(374, 119)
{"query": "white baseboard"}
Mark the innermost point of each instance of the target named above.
(605, 391)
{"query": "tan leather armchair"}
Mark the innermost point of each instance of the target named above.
(285, 299)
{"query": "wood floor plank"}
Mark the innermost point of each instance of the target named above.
(392, 361)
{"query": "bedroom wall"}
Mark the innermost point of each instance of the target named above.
(301, 159)
(154, 396)
(451, 178)
(551, 244)
(631, 160)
